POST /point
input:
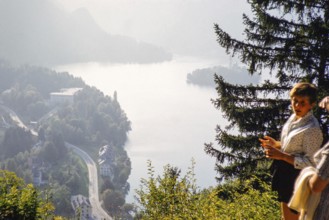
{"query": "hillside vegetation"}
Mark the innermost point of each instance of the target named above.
(90, 121)
(174, 195)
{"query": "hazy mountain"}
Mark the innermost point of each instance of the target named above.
(38, 32)
(184, 27)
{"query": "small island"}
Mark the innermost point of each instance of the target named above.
(233, 74)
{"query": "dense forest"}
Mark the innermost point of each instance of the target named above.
(90, 121)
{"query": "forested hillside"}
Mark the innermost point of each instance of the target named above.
(90, 121)
(233, 74)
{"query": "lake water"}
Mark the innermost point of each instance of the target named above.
(171, 120)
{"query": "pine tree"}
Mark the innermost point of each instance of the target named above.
(288, 38)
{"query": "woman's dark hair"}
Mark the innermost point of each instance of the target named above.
(305, 89)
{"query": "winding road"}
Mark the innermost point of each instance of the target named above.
(97, 209)
(98, 212)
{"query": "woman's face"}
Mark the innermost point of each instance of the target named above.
(301, 105)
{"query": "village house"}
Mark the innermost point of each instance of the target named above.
(106, 161)
(82, 207)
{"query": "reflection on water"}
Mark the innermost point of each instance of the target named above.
(171, 120)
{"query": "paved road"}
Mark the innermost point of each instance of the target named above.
(98, 211)
(17, 120)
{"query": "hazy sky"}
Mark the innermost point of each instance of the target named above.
(172, 24)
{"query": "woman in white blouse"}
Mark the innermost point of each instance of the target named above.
(301, 137)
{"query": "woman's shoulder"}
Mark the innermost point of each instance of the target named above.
(313, 121)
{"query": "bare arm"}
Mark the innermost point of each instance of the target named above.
(317, 184)
(277, 154)
(320, 180)
(272, 150)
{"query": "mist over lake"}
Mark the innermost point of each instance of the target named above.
(171, 120)
(153, 59)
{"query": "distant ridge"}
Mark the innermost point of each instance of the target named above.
(37, 32)
(234, 75)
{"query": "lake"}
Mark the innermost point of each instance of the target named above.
(171, 120)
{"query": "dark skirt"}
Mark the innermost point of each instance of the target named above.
(284, 176)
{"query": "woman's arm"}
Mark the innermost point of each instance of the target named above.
(317, 184)
(320, 180)
(272, 150)
(276, 154)
(311, 143)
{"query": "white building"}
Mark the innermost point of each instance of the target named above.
(106, 160)
(82, 207)
(65, 95)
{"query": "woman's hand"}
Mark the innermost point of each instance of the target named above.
(272, 150)
(324, 103)
(274, 153)
(268, 141)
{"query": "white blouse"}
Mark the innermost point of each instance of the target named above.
(301, 138)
